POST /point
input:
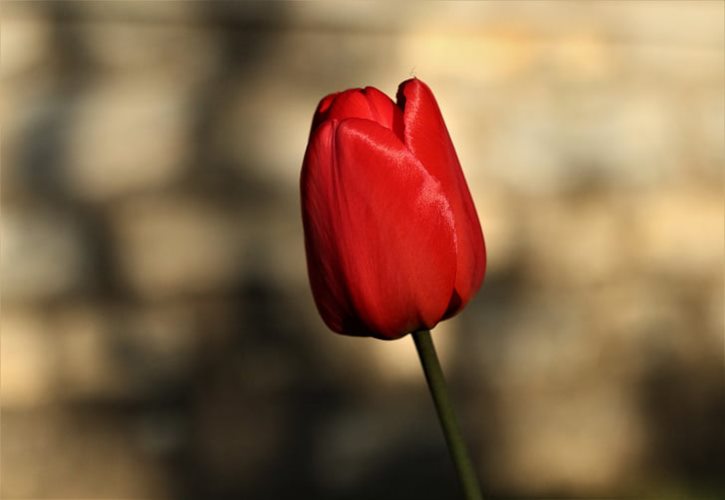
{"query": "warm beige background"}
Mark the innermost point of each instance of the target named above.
(158, 336)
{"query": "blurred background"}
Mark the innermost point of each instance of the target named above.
(159, 339)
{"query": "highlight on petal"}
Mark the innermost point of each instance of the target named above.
(426, 135)
(395, 231)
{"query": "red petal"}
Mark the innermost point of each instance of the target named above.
(395, 231)
(385, 111)
(426, 135)
(378, 232)
(318, 198)
(368, 103)
(322, 110)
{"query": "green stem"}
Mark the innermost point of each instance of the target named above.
(451, 430)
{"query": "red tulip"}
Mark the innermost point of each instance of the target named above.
(393, 241)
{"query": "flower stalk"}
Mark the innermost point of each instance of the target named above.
(444, 408)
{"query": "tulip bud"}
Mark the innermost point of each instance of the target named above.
(392, 237)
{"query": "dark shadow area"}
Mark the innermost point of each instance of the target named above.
(483, 327)
(44, 156)
(685, 409)
(43, 160)
(263, 373)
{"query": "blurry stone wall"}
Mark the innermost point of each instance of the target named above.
(159, 339)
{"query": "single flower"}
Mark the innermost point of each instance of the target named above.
(393, 241)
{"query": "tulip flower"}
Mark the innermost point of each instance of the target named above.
(393, 241)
